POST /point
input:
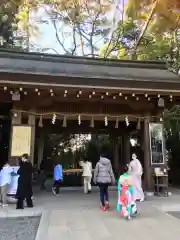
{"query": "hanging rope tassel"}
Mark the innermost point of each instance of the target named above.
(92, 123)
(40, 124)
(64, 122)
(117, 123)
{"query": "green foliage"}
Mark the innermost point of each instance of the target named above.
(155, 49)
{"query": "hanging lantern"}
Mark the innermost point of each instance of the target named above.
(117, 123)
(64, 122)
(40, 124)
(92, 122)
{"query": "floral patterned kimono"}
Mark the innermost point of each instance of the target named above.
(126, 206)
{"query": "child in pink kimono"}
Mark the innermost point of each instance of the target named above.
(126, 206)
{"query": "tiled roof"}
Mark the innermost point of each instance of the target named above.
(70, 66)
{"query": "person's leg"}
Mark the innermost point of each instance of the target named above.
(85, 185)
(134, 209)
(29, 202)
(4, 190)
(0, 196)
(43, 180)
(89, 184)
(140, 190)
(58, 184)
(101, 187)
(20, 203)
(106, 196)
(54, 187)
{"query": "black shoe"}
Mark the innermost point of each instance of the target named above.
(30, 206)
(89, 192)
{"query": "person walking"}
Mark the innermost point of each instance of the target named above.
(126, 205)
(103, 177)
(45, 168)
(87, 174)
(135, 170)
(5, 180)
(24, 189)
(58, 177)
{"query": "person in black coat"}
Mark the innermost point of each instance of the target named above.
(24, 189)
(45, 168)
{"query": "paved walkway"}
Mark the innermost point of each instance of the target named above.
(75, 216)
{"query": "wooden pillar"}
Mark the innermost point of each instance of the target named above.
(126, 148)
(147, 156)
(32, 123)
(40, 149)
(116, 155)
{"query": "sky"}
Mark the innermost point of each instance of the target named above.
(46, 36)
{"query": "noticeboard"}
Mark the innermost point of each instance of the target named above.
(21, 140)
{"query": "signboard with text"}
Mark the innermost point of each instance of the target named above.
(21, 140)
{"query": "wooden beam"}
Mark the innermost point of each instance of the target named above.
(112, 85)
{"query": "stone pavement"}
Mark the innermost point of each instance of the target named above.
(22, 228)
(75, 216)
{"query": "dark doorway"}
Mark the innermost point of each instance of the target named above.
(71, 148)
(5, 129)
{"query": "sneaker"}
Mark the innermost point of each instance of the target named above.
(141, 200)
(53, 190)
(103, 208)
(0, 204)
(107, 205)
(29, 206)
(135, 214)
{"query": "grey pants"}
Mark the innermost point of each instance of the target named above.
(87, 184)
(3, 194)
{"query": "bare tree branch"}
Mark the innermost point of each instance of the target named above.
(109, 51)
(71, 23)
(57, 36)
(92, 33)
(74, 40)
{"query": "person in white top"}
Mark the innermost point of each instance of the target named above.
(136, 171)
(87, 174)
(5, 180)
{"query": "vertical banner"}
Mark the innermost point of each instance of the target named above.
(157, 143)
(21, 140)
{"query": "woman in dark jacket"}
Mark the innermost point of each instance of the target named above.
(24, 190)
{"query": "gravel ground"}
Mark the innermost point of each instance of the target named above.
(175, 214)
(24, 228)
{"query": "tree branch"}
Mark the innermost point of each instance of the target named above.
(57, 36)
(144, 28)
(92, 34)
(74, 40)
